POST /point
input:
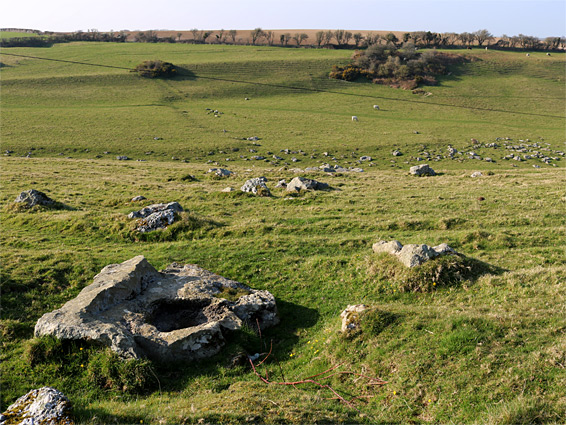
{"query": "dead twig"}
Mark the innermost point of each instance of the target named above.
(321, 375)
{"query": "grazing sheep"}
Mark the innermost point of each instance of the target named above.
(376, 107)
(354, 118)
(547, 54)
(528, 54)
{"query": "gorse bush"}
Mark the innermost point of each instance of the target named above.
(156, 69)
(385, 63)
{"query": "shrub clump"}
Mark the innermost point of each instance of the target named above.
(156, 69)
(446, 270)
(403, 67)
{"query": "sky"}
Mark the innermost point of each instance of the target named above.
(540, 18)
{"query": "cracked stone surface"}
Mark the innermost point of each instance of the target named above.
(180, 313)
(42, 406)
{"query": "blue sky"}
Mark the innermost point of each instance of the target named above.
(540, 18)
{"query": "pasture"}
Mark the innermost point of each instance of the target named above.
(490, 350)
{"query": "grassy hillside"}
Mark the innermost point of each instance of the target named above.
(490, 349)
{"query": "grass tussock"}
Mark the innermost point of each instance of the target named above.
(187, 226)
(449, 270)
(96, 367)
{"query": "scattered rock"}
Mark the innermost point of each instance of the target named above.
(412, 255)
(365, 158)
(301, 183)
(256, 186)
(33, 197)
(350, 317)
(476, 174)
(228, 189)
(138, 198)
(281, 183)
(122, 158)
(156, 216)
(443, 249)
(180, 313)
(43, 406)
(397, 153)
(422, 170)
(391, 247)
(151, 209)
(220, 172)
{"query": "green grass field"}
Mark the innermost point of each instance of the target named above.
(489, 350)
(13, 34)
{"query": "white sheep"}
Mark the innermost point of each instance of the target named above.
(354, 118)
(528, 54)
(376, 107)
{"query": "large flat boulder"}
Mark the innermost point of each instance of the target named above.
(180, 313)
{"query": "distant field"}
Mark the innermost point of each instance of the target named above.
(126, 112)
(9, 34)
(488, 350)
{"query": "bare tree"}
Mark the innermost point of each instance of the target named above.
(195, 33)
(328, 35)
(466, 38)
(256, 34)
(372, 38)
(481, 36)
(269, 35)
(299, 38)
(347, 37)
(339, 37)
(284, 38)
(220, 36)
(232, 34)
(179, 35)
(319, 37)
(391, 38)
(552, 42)
(358, 37)
(449, 38)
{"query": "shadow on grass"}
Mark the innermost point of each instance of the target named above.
(23, 207)
(174, 376)
(443, 271)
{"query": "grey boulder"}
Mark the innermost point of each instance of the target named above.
(299, 184)
(181, 313)
(391, 247)
(33, 197)
(256, 186)
(412, 255)
(156, 216)
(422, 170)
(43, 406)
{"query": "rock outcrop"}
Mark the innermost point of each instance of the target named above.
(256, 186)
(299, 184)
(422, 170)
(43, 406)
(412, 255)
(180, 313)
(156, 216)
(31, 198)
